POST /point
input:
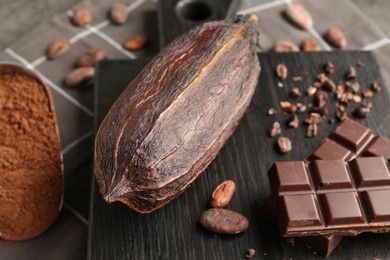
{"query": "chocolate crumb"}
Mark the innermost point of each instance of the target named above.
(367, 93)
(312, 130)
(296, 78)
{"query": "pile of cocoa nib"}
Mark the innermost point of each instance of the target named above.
(84, 70)
(346, 90)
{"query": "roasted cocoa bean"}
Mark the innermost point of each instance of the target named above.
(223, 194)
(118, 14)
(57, 48)
(310, 44)
(284, 144)
(135, 43)
(79, 76)
(224, 221)
(82, 16)
(299, 16)
(285, 46)
(336, 37)
(91, 57)
(160, 119)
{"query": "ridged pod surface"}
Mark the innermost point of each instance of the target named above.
(172, 120)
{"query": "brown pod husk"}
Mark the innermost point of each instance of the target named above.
(174, 117)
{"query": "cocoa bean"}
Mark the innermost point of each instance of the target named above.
(223, 194)
(285, 46)
(310, 44)
(91, 57)
(82, 16)
(135, 43)
(57, 48)
(78, 76)
(299, 16)
(118, 14)
(336, 37)
(224, 221)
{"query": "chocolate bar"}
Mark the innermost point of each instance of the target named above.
(332, 197)
(350, 140)
(345, 142)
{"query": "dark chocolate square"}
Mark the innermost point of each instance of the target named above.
(378, 205)
(300, 210)
(380, 146)
(289, 176)
(342, 208)
(332, 174)
(330, 150)
(352, 134)
(371, 171)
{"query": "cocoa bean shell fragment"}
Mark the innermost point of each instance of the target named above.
(159, 136)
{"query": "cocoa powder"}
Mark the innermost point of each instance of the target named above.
(31, 180)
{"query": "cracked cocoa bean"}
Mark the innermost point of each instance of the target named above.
(223, 194)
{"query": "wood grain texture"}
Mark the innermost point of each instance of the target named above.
(173, 232)
(170, 14)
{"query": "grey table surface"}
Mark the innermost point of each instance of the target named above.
(21, 16)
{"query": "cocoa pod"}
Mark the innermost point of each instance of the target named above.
(78, 76)
(118, 14)
(91, 57)
(223, 194)
(224, 221)
(57, 48)
(159, 136)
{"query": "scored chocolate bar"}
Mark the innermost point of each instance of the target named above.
(345, 142)
(332, 197)
(350, 140)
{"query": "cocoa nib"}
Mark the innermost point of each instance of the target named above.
(352, 86)
(329, 67)
(294, 122)
(272, 111)
(250, 253)
(367, 93)
(295, 92)
(284, 144)
(312, 130)
(362, 111)
(288, 107)
(301, 108)
(275, 129)
(351, 73)
(281, 71)
(310, 91)
(320, 98)
(375, 86)
(314, 118)
(329, 85)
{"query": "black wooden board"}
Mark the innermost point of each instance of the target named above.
(173, 232)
